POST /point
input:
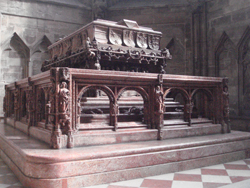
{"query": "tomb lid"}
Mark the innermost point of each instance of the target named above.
(122, 24)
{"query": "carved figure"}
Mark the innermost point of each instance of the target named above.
(64, 95)
(159, 99)
(88, 43)
(16, 99)
(165, 52)
(189, 108)
(48, 111)
(225, 101)
(114, 109)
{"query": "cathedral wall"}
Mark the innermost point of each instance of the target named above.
(229, 50)
(27, 28)
(174, 21)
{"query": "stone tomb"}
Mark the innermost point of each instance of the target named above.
(169, 123)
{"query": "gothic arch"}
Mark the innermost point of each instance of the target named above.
(201, 106)
(177, 50)
(244, 73)
(225, 54)
(140, 90)
(226, 66)
(145, 97)
(41, 45)
(15, 50)
(105, 89)
(39, 54)
(182, 91)
(206, 91)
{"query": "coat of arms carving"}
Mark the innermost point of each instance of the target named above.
(141, 40)
(128, 38)
(154, 42)
(115, 37)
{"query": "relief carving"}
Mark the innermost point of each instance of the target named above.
(64, 74)
(129, 38)
(154, 42)
(159, 100)
(225, 96)
(115, 37)
(141, 40)
(48, 111)
(64, 95)
(16, 99)
(16, 103)
(30, 106)
(159, 110)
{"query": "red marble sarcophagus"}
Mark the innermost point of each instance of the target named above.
(107, 45)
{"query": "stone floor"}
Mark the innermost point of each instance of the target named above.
(229, 175)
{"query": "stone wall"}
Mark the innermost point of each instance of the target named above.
(27, 28)
(172, 18)
(229, 49)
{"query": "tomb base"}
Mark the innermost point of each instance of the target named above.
(36, 165)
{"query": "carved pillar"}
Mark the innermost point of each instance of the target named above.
(60, 96)
(56, 130)
(31, 104)
(30, 107)
(6, 104)
(146, 113)
(225, 108)
(159, 107)
(188, 111)
(39, 105)
(211, 111)
(47, 106)
(113, 113)
(16, 103)
(5, 108)
(79, 111)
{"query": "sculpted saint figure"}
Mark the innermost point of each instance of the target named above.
(63, 98)
(226, 101)
(159, 99)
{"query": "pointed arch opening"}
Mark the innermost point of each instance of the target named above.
(133, 107)
(16, 56)
(95, 112)
(39, 54)
(175, 100)
(244, 73)
(226, 66)
(202, 100)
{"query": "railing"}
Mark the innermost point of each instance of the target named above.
(53, 100)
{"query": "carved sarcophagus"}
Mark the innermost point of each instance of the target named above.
(107, 45)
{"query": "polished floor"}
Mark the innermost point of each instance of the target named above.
(229, 175)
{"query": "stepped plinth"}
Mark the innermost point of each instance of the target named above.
(37, 166)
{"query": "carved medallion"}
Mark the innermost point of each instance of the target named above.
(141, 40)
(115, 37)
(128, 38)
(154, 42)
